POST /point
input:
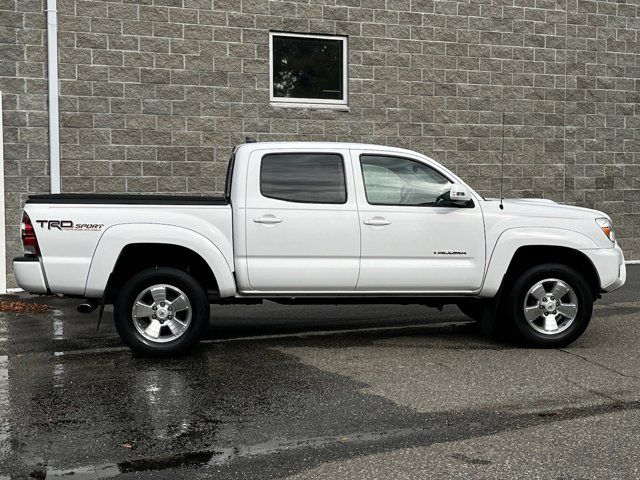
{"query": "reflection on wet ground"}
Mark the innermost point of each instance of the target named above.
(74, 402)
(79, 398)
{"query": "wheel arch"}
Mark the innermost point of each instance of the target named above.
(529, 256)
(136, 257)
(127, 249)
(534, 246)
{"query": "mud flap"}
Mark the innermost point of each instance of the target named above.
(101, 311)
(490, 321)
(103, 301)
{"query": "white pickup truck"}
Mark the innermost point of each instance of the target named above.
(322, 223)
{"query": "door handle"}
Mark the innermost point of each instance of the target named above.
(267, 219)
(377, 221)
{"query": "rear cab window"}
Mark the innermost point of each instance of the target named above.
(304, 177)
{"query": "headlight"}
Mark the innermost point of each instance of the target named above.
(607, 228)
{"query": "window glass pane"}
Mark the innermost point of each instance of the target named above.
(399, 181)
(307, 68)
(303, 177)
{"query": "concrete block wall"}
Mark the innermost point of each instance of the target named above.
(155, 93)
(24, 95)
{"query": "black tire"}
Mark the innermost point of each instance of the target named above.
(524, 331)
(123, 311)
(474, 309)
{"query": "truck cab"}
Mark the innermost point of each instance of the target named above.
(323, 219)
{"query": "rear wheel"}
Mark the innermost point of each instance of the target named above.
(550, 305)
(161, 311)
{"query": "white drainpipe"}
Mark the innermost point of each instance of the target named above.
(52, 67)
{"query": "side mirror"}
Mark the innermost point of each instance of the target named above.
(459, 194)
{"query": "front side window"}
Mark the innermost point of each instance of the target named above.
(308, 68)
(303, 177)
(403, 182)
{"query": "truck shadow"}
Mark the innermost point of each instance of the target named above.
(232, 321)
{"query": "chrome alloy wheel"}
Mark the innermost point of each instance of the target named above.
(161, 313)
(550, 306)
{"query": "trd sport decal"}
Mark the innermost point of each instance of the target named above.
(449, 252)
(69, 225)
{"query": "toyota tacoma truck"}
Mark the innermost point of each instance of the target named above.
(322, 223)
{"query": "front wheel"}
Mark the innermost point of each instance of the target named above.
(161, 311)
(550, 305)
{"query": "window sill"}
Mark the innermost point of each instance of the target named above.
(312, 106)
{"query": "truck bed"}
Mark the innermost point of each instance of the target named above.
(80, 232)
(120, 199)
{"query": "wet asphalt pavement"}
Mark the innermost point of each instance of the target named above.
(312, 392)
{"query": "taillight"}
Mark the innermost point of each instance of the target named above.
(28, 234)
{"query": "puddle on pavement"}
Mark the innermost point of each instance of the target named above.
(164, 395)
(219, 456)
(57, 375)
(109, 470)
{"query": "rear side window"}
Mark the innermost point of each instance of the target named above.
(303, 177)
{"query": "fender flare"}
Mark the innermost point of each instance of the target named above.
(514, 238)
(116, 237)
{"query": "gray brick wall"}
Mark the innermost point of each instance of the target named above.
(24, 94)
(154, 94)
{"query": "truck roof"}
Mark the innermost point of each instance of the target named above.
(339, 145)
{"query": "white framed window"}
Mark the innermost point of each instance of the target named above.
(308, 70)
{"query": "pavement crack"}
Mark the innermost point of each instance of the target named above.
(597, 393)
(598, 364)
(470, 460)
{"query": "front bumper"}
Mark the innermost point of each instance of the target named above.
(30, 274)
(609, 263)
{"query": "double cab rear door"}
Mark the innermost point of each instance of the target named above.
(339, 221)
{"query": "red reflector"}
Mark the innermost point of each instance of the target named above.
(28, 234)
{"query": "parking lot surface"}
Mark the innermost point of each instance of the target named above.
(327, 392)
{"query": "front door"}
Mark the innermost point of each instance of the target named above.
(413, 238)
(302, 229)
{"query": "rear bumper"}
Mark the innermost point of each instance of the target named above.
(30, 274)
(609, 263)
